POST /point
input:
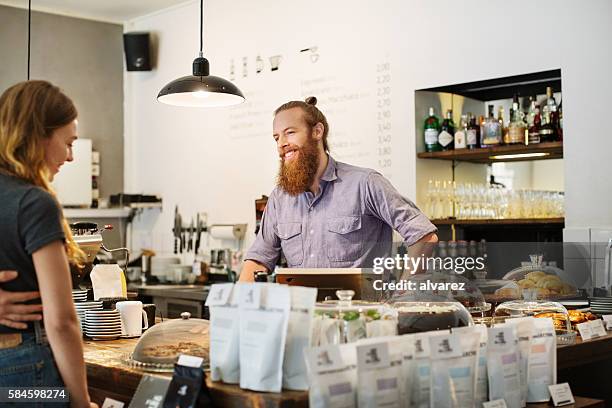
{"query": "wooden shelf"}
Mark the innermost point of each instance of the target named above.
(553, 150)
(514, 221)
(122, 212)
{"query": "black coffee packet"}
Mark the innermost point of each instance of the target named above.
(187, 384)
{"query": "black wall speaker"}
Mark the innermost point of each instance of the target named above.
(137, 55)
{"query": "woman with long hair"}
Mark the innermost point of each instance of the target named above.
(37, 128)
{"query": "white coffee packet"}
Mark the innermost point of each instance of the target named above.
(503, 365)
(481, 388)
(332, 376)
(379, 373)
(222, 301)
(264, 315)
(524, 331)
(298, 337)
(405, 344)
(542, 370)
(454, 362)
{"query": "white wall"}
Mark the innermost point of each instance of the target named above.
(198, 159)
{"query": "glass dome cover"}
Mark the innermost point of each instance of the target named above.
(346, 320)
(159, 347)
(415, 317)
(536, 308)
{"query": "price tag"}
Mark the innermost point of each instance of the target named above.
(598, 328)
(608, 320)
(585, 330)
(190, 361)
(561, 394)
(498, 403)
(111, 403)
(150, 393)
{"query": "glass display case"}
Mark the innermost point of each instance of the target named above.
(536, 308)
(546, 281)
(416, 317)
(346, 320)
(159, 347)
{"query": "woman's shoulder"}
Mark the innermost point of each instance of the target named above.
(25, 195)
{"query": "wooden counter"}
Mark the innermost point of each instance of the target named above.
(108, 376)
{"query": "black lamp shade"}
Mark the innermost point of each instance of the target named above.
(200, 91)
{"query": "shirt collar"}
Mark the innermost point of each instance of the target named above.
(330, 170)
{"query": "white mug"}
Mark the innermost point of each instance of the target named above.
(133, 318)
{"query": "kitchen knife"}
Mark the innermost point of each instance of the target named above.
(175, 230)
(198, 233)
(180, 236)
(190, 236)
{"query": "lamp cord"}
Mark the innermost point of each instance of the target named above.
(29, 35)
(201, 24)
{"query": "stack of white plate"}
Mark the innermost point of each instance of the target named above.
(102, 324)
(79, 295)
(601, 305)
(83, 307)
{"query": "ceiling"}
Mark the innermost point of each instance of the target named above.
(113, 11)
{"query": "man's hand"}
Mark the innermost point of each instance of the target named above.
(13, 314)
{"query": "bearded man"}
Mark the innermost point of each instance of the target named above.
(324, 213)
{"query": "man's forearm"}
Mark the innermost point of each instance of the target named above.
(248, 270)
(423, 247)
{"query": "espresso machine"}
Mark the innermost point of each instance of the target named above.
(88, 237)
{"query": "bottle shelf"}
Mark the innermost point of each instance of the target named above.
(496, 221)
(507, 153)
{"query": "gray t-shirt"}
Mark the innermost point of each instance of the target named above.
(30, 218)
(347, 225)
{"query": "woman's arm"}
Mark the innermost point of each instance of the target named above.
(12, 312)
(60, 319)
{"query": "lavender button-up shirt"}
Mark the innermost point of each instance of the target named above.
(346, 225)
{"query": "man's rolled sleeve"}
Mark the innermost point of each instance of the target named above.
(266, 248)
(401, 214)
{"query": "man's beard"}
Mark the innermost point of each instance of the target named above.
(297, 175)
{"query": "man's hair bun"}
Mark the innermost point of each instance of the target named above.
(311, 100)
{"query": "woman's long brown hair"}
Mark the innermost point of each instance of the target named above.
(30, 112)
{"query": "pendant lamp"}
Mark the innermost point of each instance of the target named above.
(200, 89)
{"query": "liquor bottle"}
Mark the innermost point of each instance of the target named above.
(533, 122)
(431, 130)
(554, 112)
(549, 112)
(446, 137)
(473, 133)
(517, 126)
(502, 122)
(491, 134)
(461, 133)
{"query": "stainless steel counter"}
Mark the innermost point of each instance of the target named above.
(188, 292)
(172, 300)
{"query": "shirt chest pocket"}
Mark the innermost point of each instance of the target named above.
(345, 238)
(290, 234)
